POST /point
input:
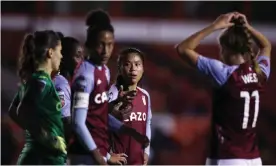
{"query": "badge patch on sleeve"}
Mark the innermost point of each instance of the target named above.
(41, 85)
(62, 98)
(264, 62)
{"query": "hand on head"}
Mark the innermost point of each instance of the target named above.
(226, 20)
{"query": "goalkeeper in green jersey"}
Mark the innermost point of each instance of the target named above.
(36, 107)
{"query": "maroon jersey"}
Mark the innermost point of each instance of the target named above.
(235, 107)
(91, 81)
(140, 119)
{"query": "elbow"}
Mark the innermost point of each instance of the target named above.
(266, 46)
(182, 50)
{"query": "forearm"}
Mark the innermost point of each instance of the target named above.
(148, 134)
(124, 129)
(261, 40)
(81, 129)
(193, 41)
(114, 124)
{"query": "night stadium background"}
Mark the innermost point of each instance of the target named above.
(180, 96)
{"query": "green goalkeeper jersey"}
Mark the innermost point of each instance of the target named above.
(44, 112)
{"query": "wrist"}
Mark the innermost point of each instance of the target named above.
(213, 27)
(127, 130)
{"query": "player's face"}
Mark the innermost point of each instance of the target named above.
(56, 57)
(132, 68)
(78, 55)
(104, 46)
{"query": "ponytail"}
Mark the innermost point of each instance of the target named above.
(26, 63)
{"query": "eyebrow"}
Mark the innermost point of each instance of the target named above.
(133, 61)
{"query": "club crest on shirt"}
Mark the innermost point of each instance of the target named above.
(144, 100)
(99, 82)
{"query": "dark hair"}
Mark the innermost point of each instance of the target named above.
(34, 51)
(97, 21)
(69, 46)
(239, 40)
(123, 56)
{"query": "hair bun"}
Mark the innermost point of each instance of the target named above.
(60, 35)
(239, 22)
(97, 18)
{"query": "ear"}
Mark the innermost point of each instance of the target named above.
(50, 53)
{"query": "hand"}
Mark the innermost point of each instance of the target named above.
(146, 158)
(98, 157)
(223, 21)
(118, 159)
(239, 15)
(126, 96)
(60, 144)
(142, 139)
(121, 112)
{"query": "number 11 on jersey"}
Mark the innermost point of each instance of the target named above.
(246, 95)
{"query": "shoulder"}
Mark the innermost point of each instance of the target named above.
(145, 92)
(86, 70)
(59, 79)
(61, 84)
(39, 79)
(38, 84)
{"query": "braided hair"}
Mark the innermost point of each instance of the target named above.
(240, 41)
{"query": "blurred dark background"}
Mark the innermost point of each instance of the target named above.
(180, 97)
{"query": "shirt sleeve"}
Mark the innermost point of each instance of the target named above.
(215, 69)
(13, 109)
(82, 87)
(114, 124)
(264, 63)
(35, 91)
(64, 93)
(148, 125)
(113, 93)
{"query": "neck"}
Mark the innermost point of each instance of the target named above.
(237, 59)
(45, 68)
(132, 87)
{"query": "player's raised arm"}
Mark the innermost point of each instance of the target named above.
(262, 41)
(186, 49)
(263, 60)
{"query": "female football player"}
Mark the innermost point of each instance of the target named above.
(36, 107)
(239, 80)
(73, 54)
(131, 69)
(90, 97)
